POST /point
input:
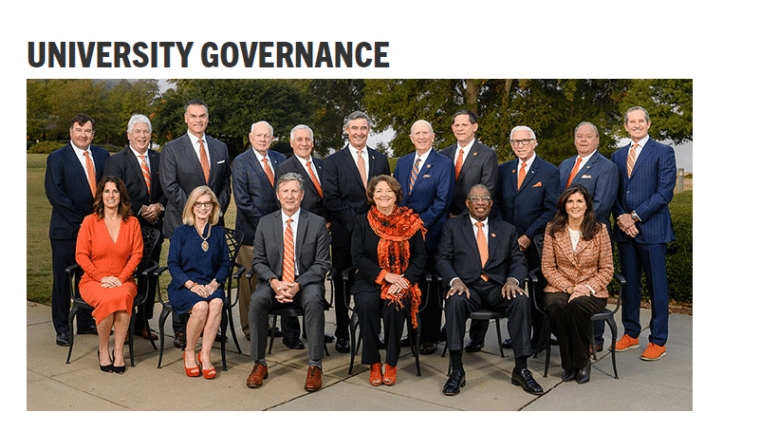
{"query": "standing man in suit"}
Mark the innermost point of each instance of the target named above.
(345, 196)
(311, 169)
(528, 193)
(600, 178)
(489, 281)
(427, 182)
(291, 259)
(474, 163)
(138, 167)
(71, 177)
(253, 181)
(643, 228)
(193, 160)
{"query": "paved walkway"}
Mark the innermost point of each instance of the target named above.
(53, 385)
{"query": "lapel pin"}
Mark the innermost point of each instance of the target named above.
(493, 234)
(428, 165)
(475, 153)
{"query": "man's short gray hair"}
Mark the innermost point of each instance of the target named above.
(289, 177)
(646, 114)
(301, 127)
(138, 118)
(411, 130)
(271, 130)
(596, 131)
(522, 128)
(357, 115)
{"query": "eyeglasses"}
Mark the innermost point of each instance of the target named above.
(479, 198)
(207, 204)
(521, 141)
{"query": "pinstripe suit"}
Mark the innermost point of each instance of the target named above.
(647, 192)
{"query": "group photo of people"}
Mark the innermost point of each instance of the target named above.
(362, 252)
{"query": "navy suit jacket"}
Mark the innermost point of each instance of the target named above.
(648, 191)
(344, 193)
(68, 190)
(531, 207)
(181, 172)
(312, 201)
(481, 166)
(126, 166)
(432, 193)
(254, 195)
(600, 177)
(458, 254)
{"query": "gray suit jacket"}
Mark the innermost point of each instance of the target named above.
(312, 248)
(181, 173)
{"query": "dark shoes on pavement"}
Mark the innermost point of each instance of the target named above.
(456, 380)
(524, 378)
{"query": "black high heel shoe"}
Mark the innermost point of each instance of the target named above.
(106, 368)
(118, 369)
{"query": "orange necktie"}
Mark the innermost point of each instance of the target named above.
(521, 175)
(574, 172)
(458, 166)
(268, 171)
(314, 178)
(415, 171)
(90, 173)
(288, 263)
(482, 247)
(631, 159)
(360, 166)
(204, 160)
(145, 171)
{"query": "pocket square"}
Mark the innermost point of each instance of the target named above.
(586, 176)
(426, 176)
(539, 184)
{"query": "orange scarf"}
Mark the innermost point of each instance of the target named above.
(393, 251)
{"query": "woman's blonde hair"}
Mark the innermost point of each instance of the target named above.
(188, 217)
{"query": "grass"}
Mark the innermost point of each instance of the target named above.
(39, 275)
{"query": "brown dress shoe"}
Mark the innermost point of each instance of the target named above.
(257, 376)
(313, 379)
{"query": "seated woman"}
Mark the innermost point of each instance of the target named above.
(199, 263)
(387, 247)
(109, 249)
(577, 264)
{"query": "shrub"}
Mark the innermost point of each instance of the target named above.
(45, 147)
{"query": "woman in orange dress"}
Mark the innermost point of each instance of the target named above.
(109, 248)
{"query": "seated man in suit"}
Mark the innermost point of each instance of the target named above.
(492, 282)
(291, 256)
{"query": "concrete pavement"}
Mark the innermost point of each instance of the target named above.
(52, 385)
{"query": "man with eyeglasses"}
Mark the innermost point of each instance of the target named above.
(479, 258)
(528, 193)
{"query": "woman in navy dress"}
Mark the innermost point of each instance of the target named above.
(199, 264)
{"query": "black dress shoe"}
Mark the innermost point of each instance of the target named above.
(456, 380)
(524, 378)
(220, 337)
(474, 346)
(405, 341)
(381, 342)
(329, 338)
(584, 375)
(568, 374)
(87, 330)
(294, 343)
(507, 343)
(428, 348)
(179, 340)
(342, 345)
(105, 368)
(63, 338)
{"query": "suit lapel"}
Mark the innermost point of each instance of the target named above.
(354, 168)
(189, 155)
(474, 153)
(303, 222)
(81, 175)
(468, 233)
(493, 239)
(645, 154)
(133, 164)
(563, 240)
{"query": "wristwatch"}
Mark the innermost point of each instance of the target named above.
(634, 216)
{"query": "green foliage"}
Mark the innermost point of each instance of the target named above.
(45, 147)
(333, 101)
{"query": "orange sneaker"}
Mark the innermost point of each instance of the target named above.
(389, 377)
(653, 352)
(626, 343)
(376, 374)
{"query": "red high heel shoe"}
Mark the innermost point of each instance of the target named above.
(191, 372)
(389, 377)
(376, 374)
(207, 373)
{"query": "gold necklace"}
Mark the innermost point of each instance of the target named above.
(204, 244)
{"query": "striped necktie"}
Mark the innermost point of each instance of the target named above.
(204, 160)
(145, 171)
(288, 263)
(415, 171)
(91, 179)
(631, 158)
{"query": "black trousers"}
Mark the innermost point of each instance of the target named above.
(571, 322)
(370, 308)
(487, 295)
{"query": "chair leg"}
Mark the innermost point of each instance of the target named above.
(498, 335)
(547, 341)
(416, 351)
(72, 313)
(147, 326)
(352, 326)
(613, 330)
(223, 343)
(232, 329)
(271, 333)
(161, 321)
(131, 335)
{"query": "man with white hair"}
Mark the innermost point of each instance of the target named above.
(138, 167)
